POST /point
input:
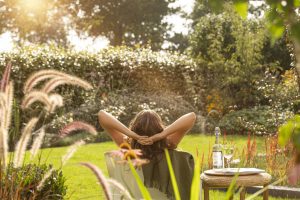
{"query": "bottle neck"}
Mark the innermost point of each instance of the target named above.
(217, 139)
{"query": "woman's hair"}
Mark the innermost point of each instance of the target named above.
(148, 123)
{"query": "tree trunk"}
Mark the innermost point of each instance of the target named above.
(297, 55)
(118, 36)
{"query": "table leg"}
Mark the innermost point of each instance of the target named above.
(206, 192)
(243, 193)
(266, 193)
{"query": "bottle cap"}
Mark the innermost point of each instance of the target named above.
(217, 131)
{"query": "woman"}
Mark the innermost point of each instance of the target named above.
(147, 131)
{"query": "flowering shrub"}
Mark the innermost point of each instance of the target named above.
(116, 70)
(113, 69)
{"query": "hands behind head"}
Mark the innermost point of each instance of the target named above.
(145, 140)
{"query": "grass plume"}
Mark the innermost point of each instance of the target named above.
(3, 146)
(42, 182)
(37, 143)
(9, 101)
(101, 178)
(36, 96)
(72, 149)
(77, 125)
(5, 77)
(40, 76)
(22, 143)
(56, 101)
(121, 188)
(53, 83)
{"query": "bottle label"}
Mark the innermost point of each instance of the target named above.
(217, 159)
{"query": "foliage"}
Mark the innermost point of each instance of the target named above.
(281, 93)
(231, 50)
(121, 77)
(21, 183)
(113, 68)
(275, 159)
(290, 131)
(132, 22)
(37, 22)
(52, 141)
(19, 180)
(172, 175)
(233, 54)
(258, 120)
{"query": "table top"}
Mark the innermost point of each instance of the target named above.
(258, 179)
(233, 171)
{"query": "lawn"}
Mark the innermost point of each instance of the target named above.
(82, 184)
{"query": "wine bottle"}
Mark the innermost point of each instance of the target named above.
(217, 151)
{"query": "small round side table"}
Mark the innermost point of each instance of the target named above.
(223, 181)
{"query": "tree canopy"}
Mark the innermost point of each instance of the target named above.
(128, 21)
(35, 21)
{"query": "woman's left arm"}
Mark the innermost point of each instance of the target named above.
(117, 130)
(175, 132)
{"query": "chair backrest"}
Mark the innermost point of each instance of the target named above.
(122, 173)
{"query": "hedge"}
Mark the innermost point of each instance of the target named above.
(136, 75)
(111, 69)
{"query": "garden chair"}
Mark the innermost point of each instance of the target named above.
(183, 164)
(122, 173)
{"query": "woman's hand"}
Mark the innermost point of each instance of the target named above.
(145, 140)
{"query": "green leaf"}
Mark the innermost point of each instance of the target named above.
(290, 130)
(216, 5)
(232, 187)
(295, 31)
(276, 31)
(145, 193)
(296, 140)
(275, 24)
(296, 3)
(285, 132)
(173, 178)
(241, 6)
(196, 181)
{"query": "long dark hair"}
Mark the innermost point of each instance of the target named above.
(148, 123)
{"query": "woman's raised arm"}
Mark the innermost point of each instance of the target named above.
(116, 129)
(175, 132)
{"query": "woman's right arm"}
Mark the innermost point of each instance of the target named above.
(117, 130)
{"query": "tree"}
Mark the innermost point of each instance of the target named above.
(237, 53)
(34, 21)
(231, 49)
(283, 16)
(123, 21)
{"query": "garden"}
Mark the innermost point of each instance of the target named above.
(234, 64)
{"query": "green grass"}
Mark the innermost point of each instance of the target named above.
(82, 184)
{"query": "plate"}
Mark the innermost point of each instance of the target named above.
(233, 171)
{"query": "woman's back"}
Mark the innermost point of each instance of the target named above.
(156, 173)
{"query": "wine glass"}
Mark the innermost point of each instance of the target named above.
(228, 154)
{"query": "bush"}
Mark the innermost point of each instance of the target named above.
(22, 182)
(258, 120)
(110, 70)
(116, 70)
(55, 141)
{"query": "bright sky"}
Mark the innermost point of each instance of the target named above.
(83, 42)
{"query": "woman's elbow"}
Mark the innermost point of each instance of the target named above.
(101, 115)
(193, 116)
